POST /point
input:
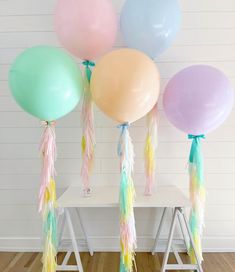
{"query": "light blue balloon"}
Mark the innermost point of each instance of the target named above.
(150, 25)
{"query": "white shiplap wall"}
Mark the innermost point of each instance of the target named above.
(207, 36)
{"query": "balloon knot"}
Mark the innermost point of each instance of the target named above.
(88, 63)
(123, 126)
(46, 124)
(194, 137)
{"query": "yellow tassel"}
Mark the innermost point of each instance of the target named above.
(49, 259)
(198, 246)
(50, 193)
(83, 144)
(128, 259)
(149, 154)
(50, 252)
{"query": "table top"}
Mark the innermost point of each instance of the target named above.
(107, 196)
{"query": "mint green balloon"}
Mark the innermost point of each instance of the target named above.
(46, 82)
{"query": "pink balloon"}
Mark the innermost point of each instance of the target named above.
(86, 28)
(198, 99)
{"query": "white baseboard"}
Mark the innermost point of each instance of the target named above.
(31, 244)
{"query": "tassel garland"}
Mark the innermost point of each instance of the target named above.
(88, 138)
(197, 195)
(150, 149)
(47, 197)
(126, 199)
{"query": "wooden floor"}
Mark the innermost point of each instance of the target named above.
(109, 262)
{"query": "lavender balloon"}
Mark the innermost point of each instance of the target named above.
(198, 99)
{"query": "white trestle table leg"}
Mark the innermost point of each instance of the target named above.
(74, 242)
(191, 240)
(178, 212)
(186, 242)
(64, 266)
(66, 258)
(62, 217)
(79, 214)
(171, 233)
(159, 230)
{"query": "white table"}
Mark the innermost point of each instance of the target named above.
(169, 197)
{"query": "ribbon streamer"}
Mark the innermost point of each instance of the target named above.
(47, 197)
(150, 149)
(126, 200)
(197, 195)
(88, 137)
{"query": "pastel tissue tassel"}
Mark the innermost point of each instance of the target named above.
(126, 199)
(150, 149)
(197, 195)
(88, 138)
(47, 197)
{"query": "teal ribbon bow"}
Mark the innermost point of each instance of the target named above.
(88, 64)
(195, 146)
(195, 156)
(190, 136)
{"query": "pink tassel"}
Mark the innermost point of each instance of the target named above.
(88, 139)
(150, 149)
(48, 153)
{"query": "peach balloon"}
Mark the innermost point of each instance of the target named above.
(125, 85)
(86, 28)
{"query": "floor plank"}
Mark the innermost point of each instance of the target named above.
(109, 261)
(18, 263)
(5, 259)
